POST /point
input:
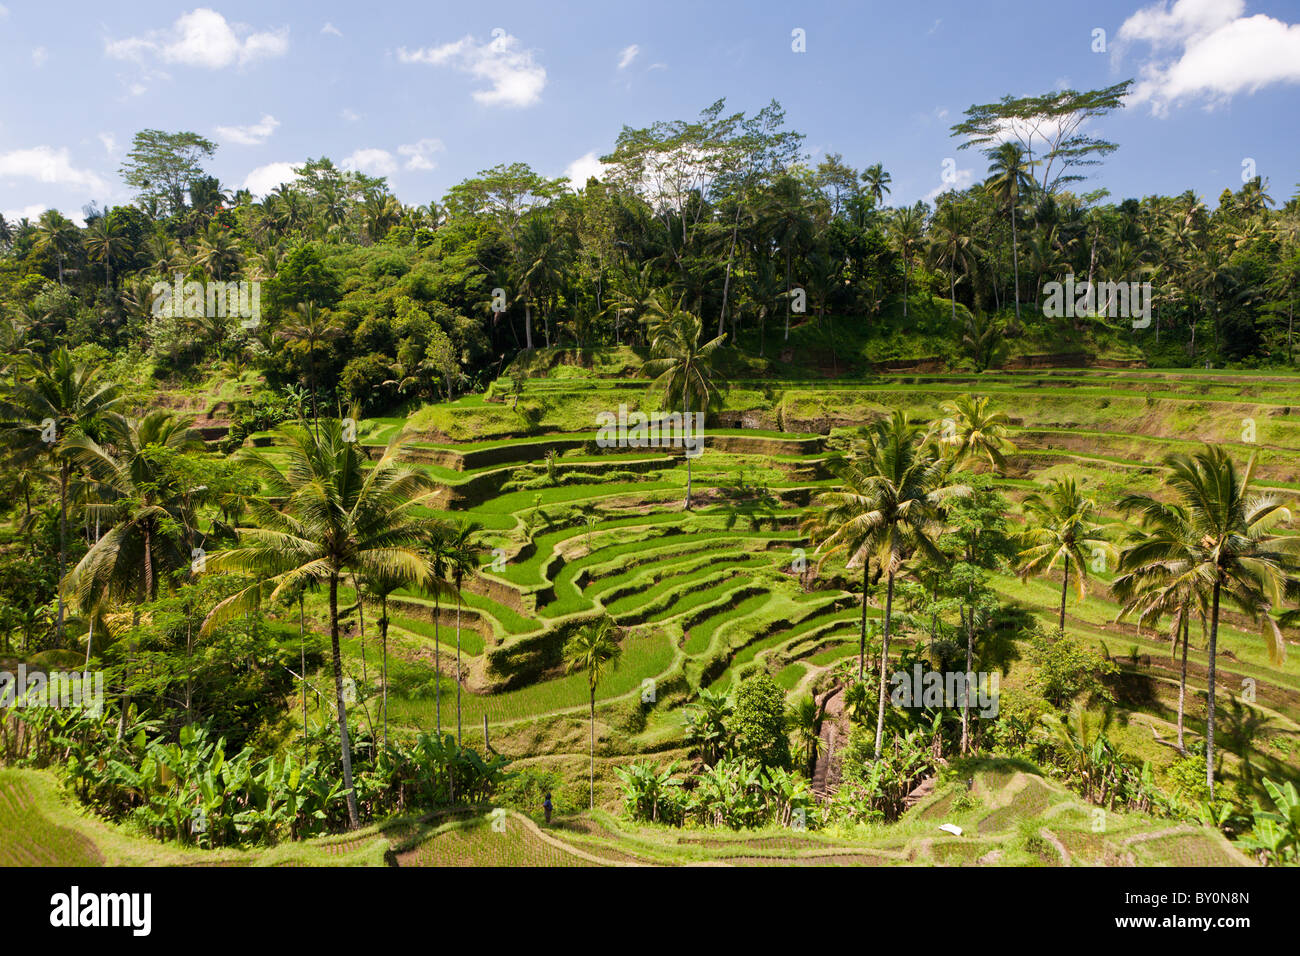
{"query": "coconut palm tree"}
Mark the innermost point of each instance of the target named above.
(105, 243)
(326, 514)
(1061, 527)
(57, 236)
(437, 556)
(786, 218)
(1158, 575)
(1237, 557)
(877, 182)
(463, 558)
(906, 232)
(56, 399)
(683, 370)
(1008, 176)
(832, 511)
(217, 254)
(889, 497)
(379, 586)
(148, 507)
(594, 651)
(952, 247)
(310, 326)
(805, 719)
(977, 432)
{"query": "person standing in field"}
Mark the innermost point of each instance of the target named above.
(546, 807)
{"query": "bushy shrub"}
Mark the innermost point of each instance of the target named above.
(757, 723)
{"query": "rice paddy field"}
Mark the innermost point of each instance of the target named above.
(710, 595)
(732, 587)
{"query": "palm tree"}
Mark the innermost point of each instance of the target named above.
(1158, 574)
(462, 558)
(706, 723)
(683, 369)
(1063, 527)
(437, 557)
(593, 650)
(217, 254)
(1237, 557)
(104, 243)
(311, 326)
(148, 507)
(338, 516)
(877, 181)
(805, 719)
(786, 219)
(977, 432)
(833, 511)
(889, 497)
(952, 247)
(1008, 175)
(906, 231)
(57, 236)
(380, 586)
(59, 399)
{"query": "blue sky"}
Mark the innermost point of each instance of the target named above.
(430, 93)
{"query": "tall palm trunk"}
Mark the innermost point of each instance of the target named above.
(786, 338)
(64, 475)
(687, 506)
(302, 665)
(952, 289)
(862, 635)
(148, 561)
(969, 615)
(1209, 716)
(354, 818)
(592, 803)
(726, 282)
(1015, 261)
(458, 681)
(884, 665)
(1065, 586)
(1182, 682)
(904, 287)
(437, 666)
(383, 637)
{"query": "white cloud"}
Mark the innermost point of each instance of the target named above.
(264, 179)
(32, 212)
(583, 168)
(627, 56)
(517, 79)
(109, 141)
(48, 165)
(1208, 50)
(252, 135)
(349, 114)
(4, 11)
(39, 56)
(657, 66)
(331, 29)
(372, 162)
(417, 154)
(201, 38)
(962, 178)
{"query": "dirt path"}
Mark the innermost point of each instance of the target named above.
(835, 735)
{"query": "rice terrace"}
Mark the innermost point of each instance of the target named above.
(733, 503)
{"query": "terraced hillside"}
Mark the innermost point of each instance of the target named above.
(1006, 816)
(727, 588)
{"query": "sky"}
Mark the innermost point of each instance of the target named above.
(429, 93)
